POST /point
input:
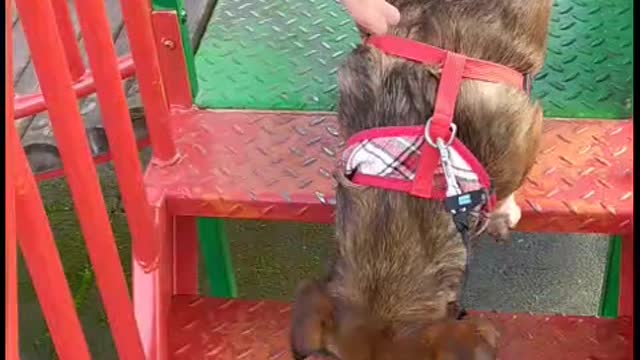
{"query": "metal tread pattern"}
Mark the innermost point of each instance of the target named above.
(588, 72)
(273, 55)
(278, 166)
(206, 328)
(282, 55)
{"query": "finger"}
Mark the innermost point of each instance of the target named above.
(376, 24)
(391, 14)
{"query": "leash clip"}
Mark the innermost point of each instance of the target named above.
(453, 188)
(460, 206)
(427, 134)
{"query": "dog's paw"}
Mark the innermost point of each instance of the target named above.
(498, 228)
(504, 218)
(511, 210)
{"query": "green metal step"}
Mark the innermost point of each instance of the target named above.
(283, 54)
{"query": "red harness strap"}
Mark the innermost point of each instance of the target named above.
(431, 55)
(454, 68)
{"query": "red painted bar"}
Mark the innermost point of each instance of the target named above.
(185, 264)
(166, 27)
(43, 262)
(93, 19)
(626, 277)
(98, 160)
(137, 19)
(626, 283)
(153, 288)
(10, 256)
(27, 105)
(68, 37)
(48, 58)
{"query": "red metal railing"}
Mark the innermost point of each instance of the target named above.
(63, 79)
(68, 37)
(27, 105)
(10, 267)
(137, 19)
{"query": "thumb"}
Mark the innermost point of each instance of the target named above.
(374, 22)
(391, 14)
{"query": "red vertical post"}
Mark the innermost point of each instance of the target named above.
(10, 267)
(185, 263)
(626, 283)
(626, 276)
(68, 36)
(171, 57)
(153, 289)
(44, 265)
(115, 113)
(137, 19)
(47, 54)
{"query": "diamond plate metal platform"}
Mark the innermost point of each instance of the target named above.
(282, 55)
(588, 72)
(278, 166)
(205, 328)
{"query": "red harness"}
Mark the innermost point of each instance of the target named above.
(419, 168)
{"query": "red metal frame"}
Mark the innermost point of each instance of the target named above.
(153, 288)
(176, 270)
(27, 105)
(223, 173)
(626, 304)
(172, 61)
(11, 264)
(98, 160)
(93, 19)
(137, 19)
(175, 74)
(626, 277)
(57, 88)
(206, 328)
(626, 284)
(185, 245)
(68, 37)
(43, 262)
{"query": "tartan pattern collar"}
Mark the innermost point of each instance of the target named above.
(388, 158)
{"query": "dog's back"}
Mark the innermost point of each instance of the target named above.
(400, 259)
(386, 236)
(378, 90)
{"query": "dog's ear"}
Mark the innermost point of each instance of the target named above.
(312, 320)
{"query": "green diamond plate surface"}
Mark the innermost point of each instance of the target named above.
(283, 54)
(273, 54)
(589, 68)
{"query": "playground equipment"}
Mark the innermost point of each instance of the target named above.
(259, 164)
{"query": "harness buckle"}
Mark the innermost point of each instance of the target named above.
(434, 144)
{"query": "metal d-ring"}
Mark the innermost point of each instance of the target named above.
(427, 135)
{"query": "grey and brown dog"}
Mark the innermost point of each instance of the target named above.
(394, 284)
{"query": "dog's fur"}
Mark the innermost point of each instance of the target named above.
(394, 284)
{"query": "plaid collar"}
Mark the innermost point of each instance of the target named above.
(406, 158)
(389, 158)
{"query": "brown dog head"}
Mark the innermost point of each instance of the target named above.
(322, 325)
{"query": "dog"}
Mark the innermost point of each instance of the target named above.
(393, 285)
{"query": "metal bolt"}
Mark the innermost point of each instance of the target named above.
(169, 44)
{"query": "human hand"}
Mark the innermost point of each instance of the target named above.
(374, 16)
